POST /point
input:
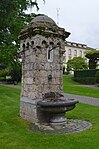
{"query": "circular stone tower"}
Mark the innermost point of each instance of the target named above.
(42, 47)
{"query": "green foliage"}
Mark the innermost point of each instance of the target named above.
(85, 80)
(93, 56)
(15, 72)
(12, 19)
(85, 73)
(10, 59)
(86, 76)
(97, 77)
(4, 72)
(92, 64)
(77, 63)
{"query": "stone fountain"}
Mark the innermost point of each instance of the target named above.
(42, 47)
(53, 107)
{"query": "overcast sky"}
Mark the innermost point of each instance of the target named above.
(79, 17)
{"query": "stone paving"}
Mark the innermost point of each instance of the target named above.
(71, 126)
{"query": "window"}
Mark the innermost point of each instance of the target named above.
(64, 59)
(74, 44)
(69, 57)
(79, 45)
(50, 53)
(69, 52)
(84, 46)
(68, 43)
(75, 52)
(80, 53)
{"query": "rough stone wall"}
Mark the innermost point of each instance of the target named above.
(35, 72)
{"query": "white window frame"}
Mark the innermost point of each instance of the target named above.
(51, 54)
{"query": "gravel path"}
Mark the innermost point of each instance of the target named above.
(11, 85)
(84, 99)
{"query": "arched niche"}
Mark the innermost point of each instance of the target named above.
(27, 45)
(44, 44)
(32, 43)
(23, 47)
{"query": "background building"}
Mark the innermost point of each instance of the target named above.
(73, 49)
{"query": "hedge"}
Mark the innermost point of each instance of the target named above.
(86, 76)
(85, 80)
(86, 73)
(97, 77)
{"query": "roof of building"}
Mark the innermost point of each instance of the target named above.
(78, 45)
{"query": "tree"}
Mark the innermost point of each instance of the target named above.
(93, 57)
(12, 14)
(77, 63)
(12, 20)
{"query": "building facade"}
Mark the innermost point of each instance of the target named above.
(73, 49)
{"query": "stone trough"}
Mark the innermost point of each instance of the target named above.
(55, 106)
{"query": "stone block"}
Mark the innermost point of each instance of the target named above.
(28, 110)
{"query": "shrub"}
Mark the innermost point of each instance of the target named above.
(97, 77)
(85, 80)
(86, 76)
(2, 79)
(15, 73)
(77, 63)
(85, 73)
(4, 73)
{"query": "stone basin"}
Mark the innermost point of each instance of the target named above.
(55, 106)
(58, 106)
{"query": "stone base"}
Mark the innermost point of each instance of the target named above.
(58, 119)
(71, 126)
(28, 110)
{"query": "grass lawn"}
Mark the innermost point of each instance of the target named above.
(14, 132)
(70, 86)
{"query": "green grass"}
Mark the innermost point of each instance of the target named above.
(70, 86)
(14, 132)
